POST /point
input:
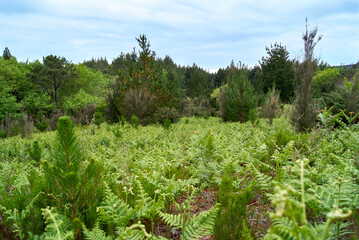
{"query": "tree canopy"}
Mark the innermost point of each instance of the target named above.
(277, 70)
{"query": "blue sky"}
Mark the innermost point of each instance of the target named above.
(209, 33)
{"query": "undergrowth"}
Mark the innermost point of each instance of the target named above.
(127, 182)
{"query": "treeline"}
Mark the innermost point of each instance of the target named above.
(142, 86)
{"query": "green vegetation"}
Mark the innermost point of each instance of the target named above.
(87, 181)
(143, 148)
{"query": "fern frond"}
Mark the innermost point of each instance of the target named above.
(18, 217)
(201, 225)
(96, 233)
(146, 206)
(193, 227)
(263, 181)
(134, 232)
(56, 227)
(113, 210)
(172, 220)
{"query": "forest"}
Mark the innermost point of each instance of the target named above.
(144, 148)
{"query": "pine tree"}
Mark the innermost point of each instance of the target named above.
(7, 55)
(277, 70)
(70, 178)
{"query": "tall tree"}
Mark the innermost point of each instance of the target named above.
(52, 74)
(278, 71)
(7, 55)
(142, 87)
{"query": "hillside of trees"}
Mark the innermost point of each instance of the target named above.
(153, 89)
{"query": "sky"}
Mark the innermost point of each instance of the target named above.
(210, 33)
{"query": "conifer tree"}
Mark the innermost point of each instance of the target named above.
(70, 178)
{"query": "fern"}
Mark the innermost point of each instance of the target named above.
(18, 218)
(134, 232)
(96, 233)
(56, 226)
(193, 227)
(146, 207)
(113, 210)
(264, 182)
(290, 220)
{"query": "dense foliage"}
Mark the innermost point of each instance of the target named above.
(140, 152)
(90, 182)
(277, 71)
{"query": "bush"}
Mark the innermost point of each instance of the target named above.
(166, 113)
(231, 218)
(38, 103)
(304, 113)
(135, 121)
(253, 116)
(139, 102)
(237, 99)
(41, 124)
(36, 152)
(197, 107)
(84, 116)
(78, 102)
(122, 120)
(99, 114)
(2, 134)
(53, 119)
(271, 107)
(21, 125)
(167, 123)
(8, 104)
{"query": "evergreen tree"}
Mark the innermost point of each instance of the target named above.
(238, 98)
(277, 70)
(70, 178)
(142, 87)
(7, 55)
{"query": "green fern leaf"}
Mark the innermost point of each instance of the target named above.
(56, 228)
(201, 225)
(113, 210)
(96, 233)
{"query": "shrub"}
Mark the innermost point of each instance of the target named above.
(21, 125)
(135, 121)
(41, 124)
(122, 120)
(8, 104)
(79, 101)
(237, 99)
(229, 223)
(197, 107)
(54, 117)
(36, 152)
(271, 107)
(99, 114)
(166, 113)
(2, 134)
(167, 123)
(85, 115)
(139, 102)
(253, 116)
